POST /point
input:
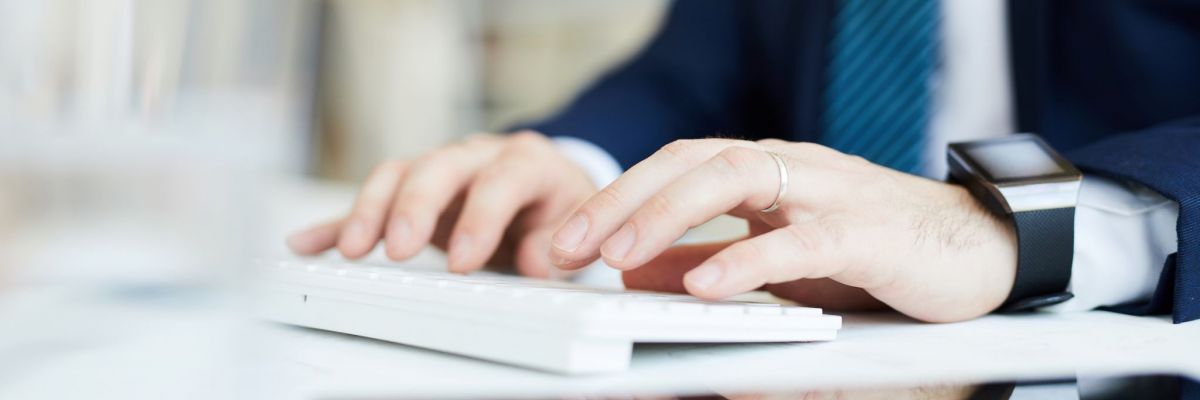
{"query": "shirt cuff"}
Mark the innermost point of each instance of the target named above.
(1123, 232)
(600, 166)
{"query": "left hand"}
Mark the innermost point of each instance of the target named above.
(848, 234)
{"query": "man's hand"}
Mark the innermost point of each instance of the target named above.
(489, 199)
(848, 234)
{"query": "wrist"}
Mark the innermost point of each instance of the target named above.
(996, 255)
(964, 260)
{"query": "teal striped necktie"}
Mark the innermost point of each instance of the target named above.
(877, 89)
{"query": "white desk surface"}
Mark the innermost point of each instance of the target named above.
(73, 344)
(78, 345)
(872, 350)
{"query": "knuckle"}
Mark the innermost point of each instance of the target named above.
(608, 198)
(516, 171)
(862, 169)
(819, 152)
(681, 149)
(496, 172)
(808, 147)
(855, 159)
(737, 159)
(660, 207)
(527, 139)
(771, 142)
(440, 164)
(810, 150)
(493, 195)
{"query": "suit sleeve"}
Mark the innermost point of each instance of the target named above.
(678, 86)
(1164, 158)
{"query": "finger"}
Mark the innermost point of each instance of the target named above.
(737, 178)
(364, 226)
(532, 254)
(495, 196)
(535, 256)
(782, 255)
(665, 272)
(445, 223)
(601, 215)
(316, 239)
(430, 184)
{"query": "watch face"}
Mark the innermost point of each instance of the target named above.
(1018, 158)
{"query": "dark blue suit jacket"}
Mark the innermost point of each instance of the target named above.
(1115, 84)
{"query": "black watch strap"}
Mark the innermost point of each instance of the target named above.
(1045, 249)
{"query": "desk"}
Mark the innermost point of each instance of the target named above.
(193, 344)
(197, 351)
(872, 350)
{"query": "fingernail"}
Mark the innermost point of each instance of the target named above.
(571, 235)
(704, 276)
(459, 251)
(355, 231)
(617, 247)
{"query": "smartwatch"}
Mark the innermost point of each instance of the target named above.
(1021, 177)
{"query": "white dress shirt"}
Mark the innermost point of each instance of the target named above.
(1123, 232)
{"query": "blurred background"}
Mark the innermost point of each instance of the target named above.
(346, 83)
(150, 148)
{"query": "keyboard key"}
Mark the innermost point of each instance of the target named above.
(355, 274)
(763, 309)
(482, 299)
(801, 311)
(401, 279)
(642, 306)
(724, 309)
(685, 307)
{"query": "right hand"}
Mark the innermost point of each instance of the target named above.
(488, 200)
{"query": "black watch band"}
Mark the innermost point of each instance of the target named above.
(1024, 178)
(1045, 249)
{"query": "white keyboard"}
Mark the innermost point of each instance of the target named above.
(548, 325)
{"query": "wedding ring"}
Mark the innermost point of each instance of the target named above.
(783, 181)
